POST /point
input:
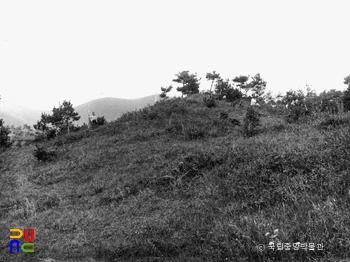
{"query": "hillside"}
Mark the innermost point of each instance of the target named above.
(17, 115)
(112, 108)
(178, 181)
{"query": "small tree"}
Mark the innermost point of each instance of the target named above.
(346, 96)
(213, 76)
(347, 80)
(330, 101)
(250, 122)
(295, 102)
(165, 90)
(64, 116)
(241, 82)
(293, 98)
(233, 94)
(223, 88)
(4, 135)
(61, 118)
(268, 98)
(43, 123)
(258, 86)
(190, 83)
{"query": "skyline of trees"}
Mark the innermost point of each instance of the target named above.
(255, 87)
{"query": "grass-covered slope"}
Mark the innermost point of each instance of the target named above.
(179, 182)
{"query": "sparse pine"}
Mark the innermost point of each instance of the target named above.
(251, 122)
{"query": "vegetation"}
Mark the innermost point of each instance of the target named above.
(64, 116)
(4, 136)
(209, 102)
(62, 119)
(100, 121)
(212, 76)
(165, 90)
(251, 122)
(42, 154)
(346, 98)
(241, 82)
(222, 88)
(190, 83)
(180, 181)
(258, 85)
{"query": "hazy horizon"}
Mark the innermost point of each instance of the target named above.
(75, 105)
(84, 50)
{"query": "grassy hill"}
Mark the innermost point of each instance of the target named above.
(178, 181)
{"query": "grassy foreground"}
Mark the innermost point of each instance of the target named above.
(175, 182)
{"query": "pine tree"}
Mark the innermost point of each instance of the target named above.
(190, 83)
(64, 116)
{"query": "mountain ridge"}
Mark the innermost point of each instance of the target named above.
(17, 115)
(112, 108)
(109, 107)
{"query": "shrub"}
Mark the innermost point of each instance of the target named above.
(40, 137)
(295, 113)
(235, 122)
(209, 102)
(175, 126)
(278, 127)
(84, 127)
(346, 99)
(223, 115)
(195, 132)
(233, 95)
(41, 154)
(333, 122)
(48, 134)
(194, 164)
(251, 122)
(100, 121)
(4, 136)
(51, 134)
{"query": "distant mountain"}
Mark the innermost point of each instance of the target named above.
(16, 115)
(109, 107)
(112, 108)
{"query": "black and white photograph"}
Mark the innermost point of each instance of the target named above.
(174, 131)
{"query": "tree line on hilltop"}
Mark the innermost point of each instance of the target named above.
(222, 87)
(254, 88)
(235, 90)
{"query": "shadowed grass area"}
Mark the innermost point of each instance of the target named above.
(175, 182)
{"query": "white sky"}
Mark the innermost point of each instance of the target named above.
(81, 50)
